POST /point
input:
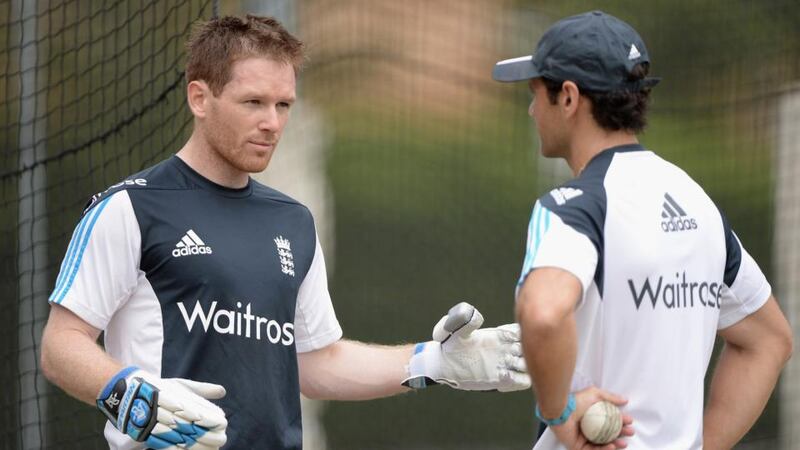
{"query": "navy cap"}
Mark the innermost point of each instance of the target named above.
(595, 50)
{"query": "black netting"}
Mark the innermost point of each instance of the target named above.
(89, 92)
(433, 169)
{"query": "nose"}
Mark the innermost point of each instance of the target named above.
(530, 109)
(269, 120)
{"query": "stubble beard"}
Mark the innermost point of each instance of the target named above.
(229, 152)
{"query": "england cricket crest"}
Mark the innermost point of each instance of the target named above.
(285, 255)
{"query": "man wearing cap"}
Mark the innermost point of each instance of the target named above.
(631, 270)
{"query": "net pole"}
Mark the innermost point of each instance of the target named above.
(787, 252)
(32, 233)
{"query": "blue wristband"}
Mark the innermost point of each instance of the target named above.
(568, 410)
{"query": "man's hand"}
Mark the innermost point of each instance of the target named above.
(569, 433)
(465, 357)
(167, 413)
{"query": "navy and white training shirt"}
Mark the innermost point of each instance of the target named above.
(661, 272)
(195, 280)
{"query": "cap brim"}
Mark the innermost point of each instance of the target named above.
(515, 69)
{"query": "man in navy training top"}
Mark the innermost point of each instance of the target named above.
(201, 278)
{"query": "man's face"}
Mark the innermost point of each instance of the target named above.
(549, 121)
(244, 122)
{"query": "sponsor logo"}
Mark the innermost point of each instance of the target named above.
(285, 255)
(140, 412)
(634, 53)
(565, 194)
(191, 244)
(112, 401)
(97, 197)
(134, 182)
(676, 293)
(675, 218)
(237, 322)
(126, 399)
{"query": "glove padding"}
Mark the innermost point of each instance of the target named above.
(465, 357)
(171, 413)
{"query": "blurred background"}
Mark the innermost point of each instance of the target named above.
(420, 170)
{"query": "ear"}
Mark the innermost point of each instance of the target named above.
(197, 95)
(569, 98)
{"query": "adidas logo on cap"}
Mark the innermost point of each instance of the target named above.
(191, 244)
(675, 218)
(634, 53)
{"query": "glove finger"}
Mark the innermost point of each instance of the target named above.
(463, 319)
(515, 364)
(160, 444)
(165, 433)
(170, 400)
(189, 415)
(190, 407)
(515, 349)
(205, 414)
(165, 416)
(509, 332)
(213, 439)
(209, 391)
(439, 333)
(184, 419)
(213, 421)
(514, 381)
(187, 434)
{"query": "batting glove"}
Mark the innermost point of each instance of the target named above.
(464, 357)
(170, 413)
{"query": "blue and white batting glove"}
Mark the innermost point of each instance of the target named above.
(465, 357)
(169, 413)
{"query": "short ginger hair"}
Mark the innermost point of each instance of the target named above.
(215, 45)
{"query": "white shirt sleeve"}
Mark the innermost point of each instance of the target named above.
(101, 267)
(315, 323)
(552, 243)
(749, 291)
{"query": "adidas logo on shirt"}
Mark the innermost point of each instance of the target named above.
(191, 244)
(675, 218)
(564, 194)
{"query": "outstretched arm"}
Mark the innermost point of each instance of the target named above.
(349, 370)
(461, 356)
(755, 351)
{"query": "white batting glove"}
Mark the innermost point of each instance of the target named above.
(465, 357)
(168, 413)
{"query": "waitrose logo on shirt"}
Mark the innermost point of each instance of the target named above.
(237, 322)
(676, 292)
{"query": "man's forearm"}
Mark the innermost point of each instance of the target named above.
(740, 388)
(550, 353)
(545, 312)
(350, 370)
(76, 364)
